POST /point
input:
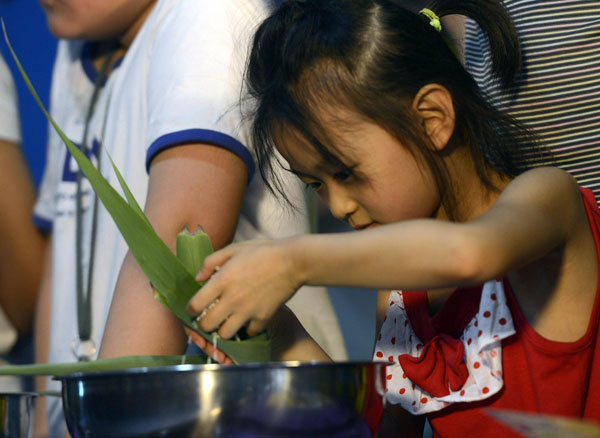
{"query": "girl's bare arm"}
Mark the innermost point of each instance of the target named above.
(525, 223)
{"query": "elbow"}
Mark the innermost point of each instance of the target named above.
(23, 324)
(18, 298)
(19, 318)
(469, 261)
(20, 312)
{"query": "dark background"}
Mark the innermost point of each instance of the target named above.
(36, 47)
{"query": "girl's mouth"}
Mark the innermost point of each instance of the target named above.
(365, 226)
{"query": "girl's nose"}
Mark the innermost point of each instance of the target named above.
(340, 204)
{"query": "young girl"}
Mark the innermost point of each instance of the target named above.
(371, 108)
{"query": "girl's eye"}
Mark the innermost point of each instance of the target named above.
(342, 175)
(315, 185)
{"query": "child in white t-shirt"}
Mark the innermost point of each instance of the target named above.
(168, 112)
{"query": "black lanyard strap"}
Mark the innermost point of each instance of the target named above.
(84, 347)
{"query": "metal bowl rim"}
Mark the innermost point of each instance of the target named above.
(216, 367)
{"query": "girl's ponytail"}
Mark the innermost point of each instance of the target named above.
(495, 21)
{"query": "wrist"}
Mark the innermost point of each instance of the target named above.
(300, 259)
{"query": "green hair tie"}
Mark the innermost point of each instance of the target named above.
(434, 20)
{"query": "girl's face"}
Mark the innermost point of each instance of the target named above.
(380, 183)
(94, 19)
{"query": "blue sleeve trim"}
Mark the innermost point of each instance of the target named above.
(44, 225)
(202, 136)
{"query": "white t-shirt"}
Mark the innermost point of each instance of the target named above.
(10, 125)
(179, 82)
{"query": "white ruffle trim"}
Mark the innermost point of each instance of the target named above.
(483, 352)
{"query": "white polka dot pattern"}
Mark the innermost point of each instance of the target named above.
(483, 352)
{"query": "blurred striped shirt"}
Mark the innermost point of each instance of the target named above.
(558, 94)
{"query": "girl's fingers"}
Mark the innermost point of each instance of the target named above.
(203, 298)
(208, 348)
(212, 262)
(196, 338)
(214, 317)
(256, 326)
(206, 272)
(216, 355)
(231, 325)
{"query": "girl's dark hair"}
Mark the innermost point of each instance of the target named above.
(372, 57)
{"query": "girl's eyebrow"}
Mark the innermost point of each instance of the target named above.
(299, 174)
(322, 167)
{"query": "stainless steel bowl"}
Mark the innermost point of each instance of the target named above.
(292, 400)
(16, 414)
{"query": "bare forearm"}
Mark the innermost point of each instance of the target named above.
(137, 323)
(20, 281)
(415, 254)
(21, 244)
(428, 253)
(189, 186)
(255, 278)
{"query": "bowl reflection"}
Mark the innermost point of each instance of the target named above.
(296, 400)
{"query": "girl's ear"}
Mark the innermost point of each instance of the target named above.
(434, 105)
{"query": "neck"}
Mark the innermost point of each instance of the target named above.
(472, 196)
(120, 45)
(129, 35)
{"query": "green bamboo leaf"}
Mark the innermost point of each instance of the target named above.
(247, 350)
(192, 249)
(130, 198)
(173, 284)
(112, 364)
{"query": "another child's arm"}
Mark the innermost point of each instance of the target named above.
(527, 221)
(22, 248)
(189, 185)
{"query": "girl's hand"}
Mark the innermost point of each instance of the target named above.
(208, 348)
(249, 281)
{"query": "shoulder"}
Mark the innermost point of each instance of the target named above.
(549, 191)
(545, 173)
(202, 33)
(542, 184)
(216, 16)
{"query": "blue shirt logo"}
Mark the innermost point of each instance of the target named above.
(71, 167)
